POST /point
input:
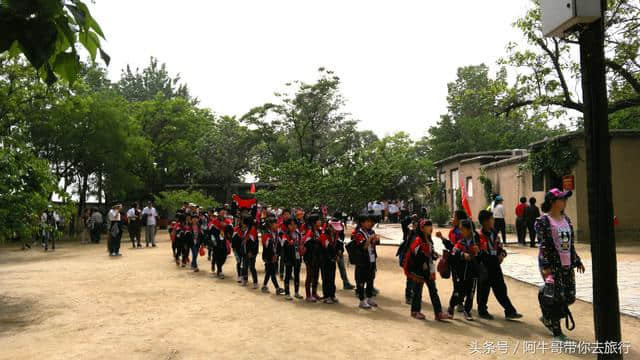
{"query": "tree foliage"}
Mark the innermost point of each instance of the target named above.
(547, 67)
(48, 32)
(168, 201)
(474, 121)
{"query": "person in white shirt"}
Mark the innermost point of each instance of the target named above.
(134, 217)
(498, 215)
(115, 231)
(150, 217)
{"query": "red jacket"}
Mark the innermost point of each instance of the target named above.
(520, 210)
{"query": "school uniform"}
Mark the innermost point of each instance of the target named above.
(250, 248)
(311, 257)
(176, 241)
(419, 267)
(330, 246)
(365, 265)
(270, 250)
(292, 251)
(490, 249)
(467, 273)
(236, 246)
(195, 244)
(220, 233)
(186, 242)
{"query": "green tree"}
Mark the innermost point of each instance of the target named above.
(474, 121)
(546, 66)
(168, 201)
(152, 80)
(48, 32)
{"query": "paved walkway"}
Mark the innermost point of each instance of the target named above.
(522, 264)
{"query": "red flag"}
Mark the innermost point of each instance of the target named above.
(253, 188)
(465, 200)
(244, 203)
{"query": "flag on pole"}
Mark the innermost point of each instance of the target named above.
(253, 188)
(465, 199)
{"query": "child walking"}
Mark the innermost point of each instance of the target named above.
(420, 268)
(365, 241)
(312, 257)
(492, 254)
(292, 258)
(466, 252)
(270, 251)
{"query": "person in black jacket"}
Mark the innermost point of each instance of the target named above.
(491, 255)
(270, 251)
(312, 257)
(466, 252)
(531, 214)
(331, 246)
(292, 257)
(407, 234)
(365, 241)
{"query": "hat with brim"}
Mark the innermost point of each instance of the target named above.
(556, 194)
(336, 225)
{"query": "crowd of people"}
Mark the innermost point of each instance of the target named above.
(472, 257)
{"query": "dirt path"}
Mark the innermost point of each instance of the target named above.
(78, 303)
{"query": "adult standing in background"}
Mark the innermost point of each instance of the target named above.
(521, 224)
(498, 215)
(393, 212)
(150, 219)
(115, 232)
(531, 215)
(86, 226)
(134, 217)
(96, 226)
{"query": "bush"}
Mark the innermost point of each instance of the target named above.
(440, 214)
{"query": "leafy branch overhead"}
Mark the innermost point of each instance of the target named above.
(47, 33)
(548, 67)
(554, 157)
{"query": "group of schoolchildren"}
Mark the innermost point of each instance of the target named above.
(287, 243)
(472, 257)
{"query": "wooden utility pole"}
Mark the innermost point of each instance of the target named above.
(606, 307)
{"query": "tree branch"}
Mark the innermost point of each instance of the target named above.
(626, 74)
(623, 104)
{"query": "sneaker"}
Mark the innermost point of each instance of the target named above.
(418, 315)
(139, 245)
(513, 316)
(183, 265)
(297, 296)
(460, 308)
(335, 299)
(110, 254)
(443, 316)
(243, 283)
(348, 286)
(372, 302)
(280, 291)
(311, 299)
(153, 245)
(116, 254)
(238, 279)
(221, 276)
(196, 270)
(328, 301)
(255, 286)
(485, 315)
(288, 297)
(450, 312)
(364, 305)
(467, 316)
(265, 289)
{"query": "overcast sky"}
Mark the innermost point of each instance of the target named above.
(394, 57)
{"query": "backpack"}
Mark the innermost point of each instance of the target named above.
(444, 267)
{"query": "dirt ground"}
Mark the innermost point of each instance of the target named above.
(78, 303)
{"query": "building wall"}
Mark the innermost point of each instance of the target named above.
(512, 181)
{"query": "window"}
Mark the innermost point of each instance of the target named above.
(553, 181)
(537, 182)
(470, 186)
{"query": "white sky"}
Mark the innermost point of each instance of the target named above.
(394, 57)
